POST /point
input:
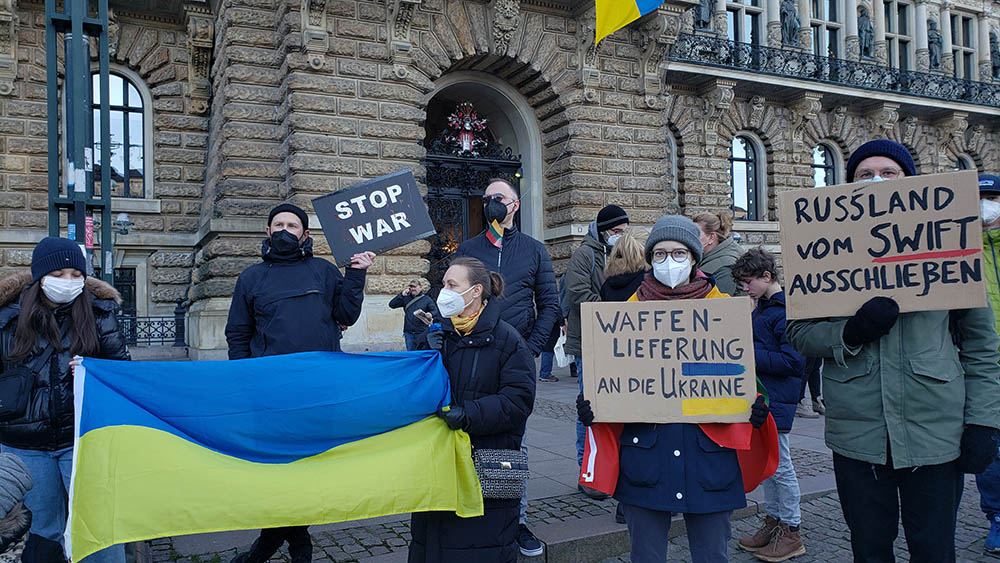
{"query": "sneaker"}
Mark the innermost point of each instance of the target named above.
(549, 379)
(592, 493)
(527, 542)
(619, 514)
(784, 545)
(993, 538)
(762, 537)
(819, 405)
(805, 409)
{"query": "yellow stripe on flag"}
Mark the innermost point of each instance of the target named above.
(613, 15)
(700, 406)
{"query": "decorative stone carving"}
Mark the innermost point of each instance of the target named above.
(655, 38)
(995, 54)
(315, 37)
(804, 111)
(837, 121)
(114, 33)
(933, 45)
(590, 76)
(200, 40)
(506, 17)
(977, 136)
(884, 118)
(774, 34)
(853, 46)
(909, 130)
(866, 34)
(8, 46)
(952, 129)
(789, 23)
(757, 107)
(716, 101)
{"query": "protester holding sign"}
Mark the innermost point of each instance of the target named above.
(291, 302)
(676, 468)
(908, 410)
(493, 391)
(781, 369)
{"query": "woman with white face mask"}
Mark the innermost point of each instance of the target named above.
(47, 318)
(668, 469)
(492, 375)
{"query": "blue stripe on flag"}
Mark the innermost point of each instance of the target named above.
(647, 6)
(696, 369)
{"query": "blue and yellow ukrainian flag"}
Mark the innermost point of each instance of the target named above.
(169, 448)
(613, 15)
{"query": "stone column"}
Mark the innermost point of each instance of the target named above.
(947, 57)
(879, 48)
(983, 47)
(720, 18)
(774, 23)
(805, 25)
(923, 53)
(851, 40)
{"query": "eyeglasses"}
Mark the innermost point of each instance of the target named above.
(886, 173)
(678, 255)
(495, 197)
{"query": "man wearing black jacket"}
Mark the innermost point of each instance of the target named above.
(415, 304)
(529, 287)
(291, 302)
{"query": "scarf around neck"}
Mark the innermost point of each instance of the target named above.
(652, 290)
(464, 325)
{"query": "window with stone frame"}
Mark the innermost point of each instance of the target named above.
(129, 117)
(963, 46)
(899, 33)
(745, 179)
(827, 28)
(743, 21)
(824, 166)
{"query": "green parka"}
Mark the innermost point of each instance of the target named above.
(991, 250)
(913, 389)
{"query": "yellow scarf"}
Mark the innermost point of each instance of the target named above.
(464, 325)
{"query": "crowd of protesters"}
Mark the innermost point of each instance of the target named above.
(911, 400)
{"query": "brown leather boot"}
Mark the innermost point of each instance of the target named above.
(762, 537)
(784, 544)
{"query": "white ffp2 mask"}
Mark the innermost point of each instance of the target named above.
(60, 290)
(672, 273)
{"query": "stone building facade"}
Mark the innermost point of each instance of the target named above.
(711, 106)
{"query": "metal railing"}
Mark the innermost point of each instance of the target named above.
(714, 51)
(153, 331)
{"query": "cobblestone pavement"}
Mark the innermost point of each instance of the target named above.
(826, 537)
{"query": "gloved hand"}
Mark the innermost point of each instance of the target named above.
(435, 340)
(758, 412)
(979, 449)
(872, 321)
(454, 417)
(583, 411)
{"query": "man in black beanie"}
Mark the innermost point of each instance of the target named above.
(291, 302)
(908, 411)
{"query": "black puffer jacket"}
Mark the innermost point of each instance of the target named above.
(622, 286)
(48, 422)
(492, 378)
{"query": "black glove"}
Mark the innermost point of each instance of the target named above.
(454, 417)
(435, 340)
(979, 449)
(872, 321)
(583, 411)
(758, 412)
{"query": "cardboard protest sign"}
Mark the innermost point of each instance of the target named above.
(917, 240)
(669, 361)
(376, 215)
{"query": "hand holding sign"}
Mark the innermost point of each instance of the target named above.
(362, 260)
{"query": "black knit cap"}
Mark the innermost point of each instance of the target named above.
(289, 208)
(54, 253)
(610, 217)
(882, 147)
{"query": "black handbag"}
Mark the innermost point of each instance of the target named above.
(502, 473)
(16, 382)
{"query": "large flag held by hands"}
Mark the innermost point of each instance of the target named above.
(613, 15)
(167, 448)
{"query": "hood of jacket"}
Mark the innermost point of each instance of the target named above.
(722, 255)
(593, 238)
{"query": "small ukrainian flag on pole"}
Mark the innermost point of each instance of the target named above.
(613, 15)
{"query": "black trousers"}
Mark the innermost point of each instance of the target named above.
(271, 539)
(872, 495)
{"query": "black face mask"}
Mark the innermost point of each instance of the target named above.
(495, 210)
(284, 242)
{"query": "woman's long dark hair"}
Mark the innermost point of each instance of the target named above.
(36, 318)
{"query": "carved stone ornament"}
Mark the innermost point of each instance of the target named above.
(655, 37)
(590, 76)
(315, 37)
(909, 130)
(717, 101)
(506, 18)
(805, 110)
(8, 46)
(884, 118)
(976, 138)
(200, 39)
(114, 33)
(757, 107)
(838, 120)
(954, 127)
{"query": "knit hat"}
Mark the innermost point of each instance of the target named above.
(54, 253)
(882, 147)
(610, 217)
(989, 183)
(677, 228)
(15, 480)
(289, 208)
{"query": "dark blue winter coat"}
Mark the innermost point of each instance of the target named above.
(292, 304)
(529, 283)
(779, 367)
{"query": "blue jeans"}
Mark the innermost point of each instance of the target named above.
(708, 535)
(46, 500)
(545, 371)
(581, 430)
(411, 340)
(781, 490)
(988, 483)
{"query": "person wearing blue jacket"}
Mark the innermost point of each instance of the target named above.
(291, 302)
(529, 286)
(781, 369)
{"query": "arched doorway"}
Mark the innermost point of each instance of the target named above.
(504, 141)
